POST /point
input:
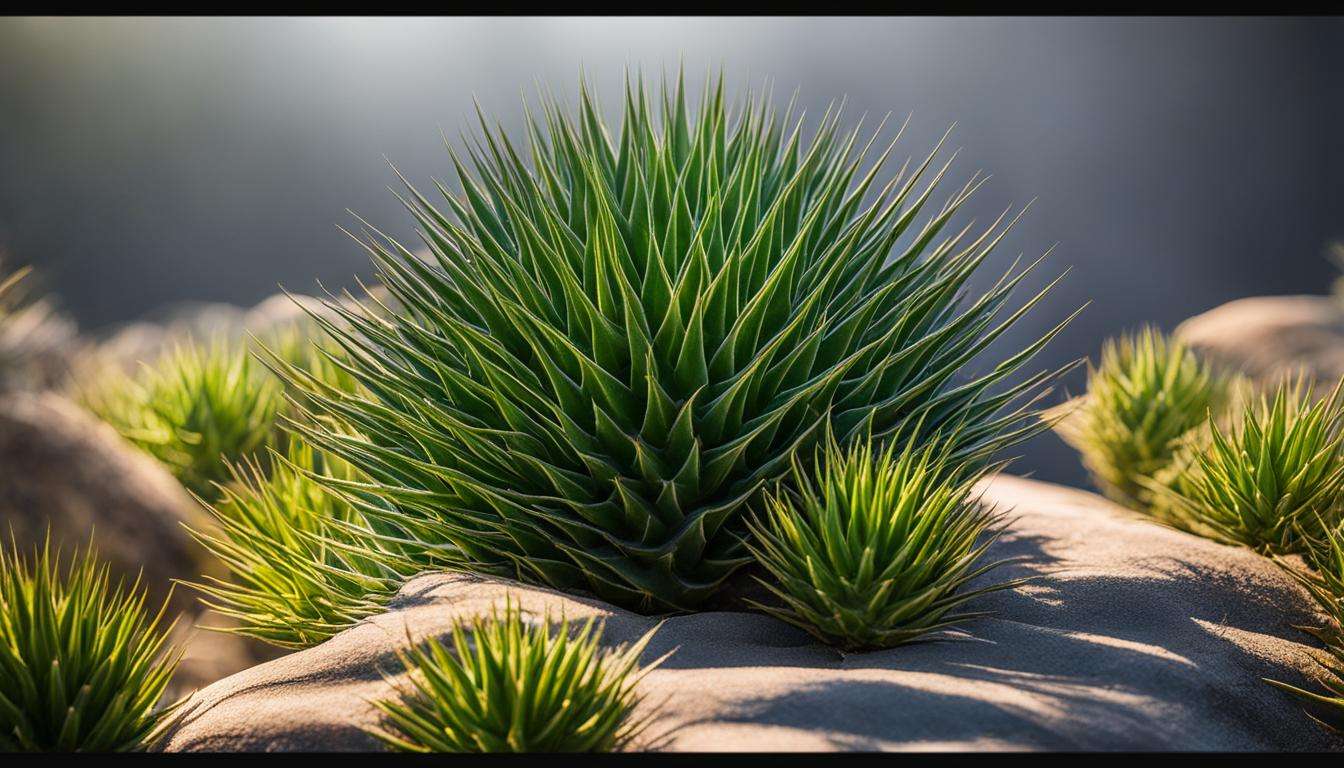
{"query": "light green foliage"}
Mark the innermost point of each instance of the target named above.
(1324, 579)
(194, 409)
(303, 351)
(509, 686)
(1269, 480)
(870, 548)
(1145, 395)
(303, 562)
(83, 665)
(617, 339)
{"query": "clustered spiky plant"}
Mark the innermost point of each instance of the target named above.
(1145, 395)
(1273, 478)
(616, 341)
(303, 564)
(507, 685)
(873, 547)
(195, 409)
(83, 664)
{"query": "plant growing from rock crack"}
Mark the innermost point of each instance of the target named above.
(83, 664)
(1146, 394)
(1273, 478)
(617, 341)
(303, 562)
(195, 409)
(505, 685)
(873, 547)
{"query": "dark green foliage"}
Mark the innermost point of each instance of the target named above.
(616, 341)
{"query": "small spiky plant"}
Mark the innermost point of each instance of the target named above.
(195, 409)
(506, 685)
(611, 348)
(1144, 396)
(83, 664)
(303, 562)
(874, 547)
(1272, 479)
(1324, 579)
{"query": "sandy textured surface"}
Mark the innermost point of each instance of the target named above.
(1268, 336)
(1139, 638)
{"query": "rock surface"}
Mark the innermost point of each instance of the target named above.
(141, 342)
(1136, 637)
(1268, 336)
(62, 469)
(38, 346)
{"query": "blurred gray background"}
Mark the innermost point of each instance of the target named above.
(1177, 163)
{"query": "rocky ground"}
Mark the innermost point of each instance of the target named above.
(1132, 636)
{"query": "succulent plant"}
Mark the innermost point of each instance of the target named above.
(195, 410)
(83, 664)
(613, 344)
(1145, 395)
(506, 685)
(873, 547)
(1272, 479)
(304, 564)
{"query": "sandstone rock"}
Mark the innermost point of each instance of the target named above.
(63, 469)
(1269, 336)
(1137, 637)
(141, 342)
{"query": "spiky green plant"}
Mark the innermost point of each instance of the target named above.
(1147, 392)
(83, 664)
(1272, 478)
(1329, 702)
(309, 355)
(194, 409)
(1324, 580)
(301, 560)
(614, 343)
(507, 685)
(872, 547)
